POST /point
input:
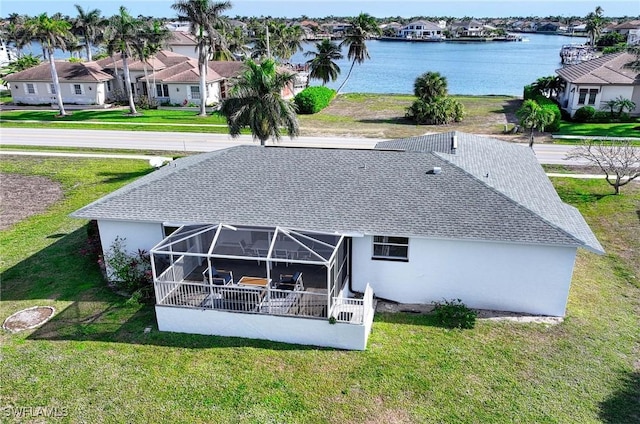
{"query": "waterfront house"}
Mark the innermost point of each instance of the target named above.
(80, 83)
(595, 82)
(421, 29)
(290, 244)
(468, 28)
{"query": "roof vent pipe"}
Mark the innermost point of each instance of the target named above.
(435, 170)
(454, 143)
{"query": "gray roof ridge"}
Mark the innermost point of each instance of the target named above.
(513, 201)
(153, 176)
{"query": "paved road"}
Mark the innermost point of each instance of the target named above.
(192, 142)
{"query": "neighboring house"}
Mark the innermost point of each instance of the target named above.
(306, 236)
(180, 84)
(136, 72)
(548, 27)
(633, 39)
(182, 42)
(625, 28)
(421, 29)
(595, 82)
(80, 83)
(471, 28)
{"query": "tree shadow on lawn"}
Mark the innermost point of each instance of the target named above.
(624, 405)
(115, 177)
(509, 110)
(396, 121)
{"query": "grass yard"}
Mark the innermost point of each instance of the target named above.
(94, 362)
(629, 129)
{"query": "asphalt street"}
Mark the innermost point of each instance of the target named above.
(195, 142)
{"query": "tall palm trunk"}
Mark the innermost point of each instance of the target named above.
(127, 81)
(87, 47)
(203, 86)
(56, 82)
(347, 78)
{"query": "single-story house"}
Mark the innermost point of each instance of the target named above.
(596, 81)
(468, 28)
(80, 83)
(290, 244)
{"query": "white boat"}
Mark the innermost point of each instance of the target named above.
(7, 54)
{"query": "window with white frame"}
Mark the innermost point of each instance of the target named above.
(584, 92)
(77, 89)
(30, 88)
(391, 248)
(195, 92)
(51, 88)
(592, 96)
(108, 85)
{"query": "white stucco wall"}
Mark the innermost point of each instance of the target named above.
(509, 277)
(179, 92)
(90, 93)
(316, 332)
(605, 93)
(138, 235)
(189, 51)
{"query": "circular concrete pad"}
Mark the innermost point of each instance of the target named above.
(28, 318)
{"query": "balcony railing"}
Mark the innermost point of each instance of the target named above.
(262, 300)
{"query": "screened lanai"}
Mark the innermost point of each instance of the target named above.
(271, 270)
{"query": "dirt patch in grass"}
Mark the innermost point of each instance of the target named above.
(24, 195)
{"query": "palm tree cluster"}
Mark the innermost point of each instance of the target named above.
(321, 64)
(277, 40)
(433, 105)
(550, 86)
(595, 23)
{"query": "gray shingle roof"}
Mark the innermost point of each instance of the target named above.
(508, 168)
(367, 191)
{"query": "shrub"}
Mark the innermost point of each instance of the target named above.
(313, 99)
(557, 116)
(440, 111)
(602, 117)
(146, 102)
(584, 114)
(530, 92)
(455, 314)
(130, 272)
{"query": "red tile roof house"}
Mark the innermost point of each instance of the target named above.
(290, 244)
(595, 82)
(80, 83)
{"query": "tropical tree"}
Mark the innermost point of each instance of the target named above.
(20, 64)
(206, 22)
(362, 27)
(256, 102)
(88, 25)
(321, 64)
(594, 25)
(534, 117)
(14, 31)
(550, 86)
(153, 37)
(618, 159)
(122, 36)
(279, 40)
(429, 86)
(51, 34)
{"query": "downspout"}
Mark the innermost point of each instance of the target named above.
(349, 270)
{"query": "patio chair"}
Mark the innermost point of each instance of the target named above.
(289, 282)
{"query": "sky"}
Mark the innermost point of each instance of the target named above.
(322, 8)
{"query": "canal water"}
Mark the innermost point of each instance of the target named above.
(470, 68)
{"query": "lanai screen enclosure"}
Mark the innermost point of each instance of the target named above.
(258, 270)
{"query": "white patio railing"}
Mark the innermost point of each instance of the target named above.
(261, 300)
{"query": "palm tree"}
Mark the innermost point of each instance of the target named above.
(206, 22)
(534, 116)
(322, 65)
(88, 25)
(51, 34)
(256, 102)
(594, 25)
(14, 31)
(122, 35)
(363, 26)
(153, 37)
(430, 86)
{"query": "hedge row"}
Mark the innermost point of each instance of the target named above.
(313, 99)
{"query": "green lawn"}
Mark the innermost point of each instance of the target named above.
(95, 360)
(152, 116)
(630, 129)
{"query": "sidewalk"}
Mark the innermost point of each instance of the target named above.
(161, 124)
(86, 155)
